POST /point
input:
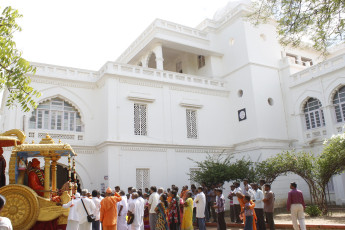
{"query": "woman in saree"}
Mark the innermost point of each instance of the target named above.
(187, 221)
(161, 210)
(240, 197)
(174, 212)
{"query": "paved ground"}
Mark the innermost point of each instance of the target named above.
(335, 217)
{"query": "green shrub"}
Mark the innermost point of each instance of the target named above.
(313, 210)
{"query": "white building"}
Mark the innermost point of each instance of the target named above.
(179, 92)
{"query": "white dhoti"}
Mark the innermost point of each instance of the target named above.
(85, 226)
(72, 225)
(122, 223)
(135, 227)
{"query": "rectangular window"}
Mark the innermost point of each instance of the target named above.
(53, 120)
(201, 61)
(65, 121)
(39, 119)
(46, 119)
(32, 124)
(71, 121)
(143, 178)
(59, 120)
(140, 123)
(192, 131)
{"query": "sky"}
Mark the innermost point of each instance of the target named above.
(86, 34)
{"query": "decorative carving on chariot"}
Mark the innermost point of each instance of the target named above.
(25, 206)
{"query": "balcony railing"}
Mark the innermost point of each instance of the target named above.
(130, 71)
(161, 75)
(319, 69)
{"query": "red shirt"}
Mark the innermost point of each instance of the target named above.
(295, 197)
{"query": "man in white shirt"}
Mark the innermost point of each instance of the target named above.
(90, 208)
(153, 202)
(73, 218)
(259, 207)
(200, 201)
(134, 208)
(96, 225)
(236, 202)
(142, 208)
(122, 209)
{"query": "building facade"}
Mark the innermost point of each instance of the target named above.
(180, 93)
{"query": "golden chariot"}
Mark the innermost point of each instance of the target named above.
(24, 207)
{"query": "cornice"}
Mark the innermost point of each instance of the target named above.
(135, 146)
(61, 82)
(217, 93)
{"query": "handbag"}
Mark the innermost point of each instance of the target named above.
(90, 218)
(130, 218)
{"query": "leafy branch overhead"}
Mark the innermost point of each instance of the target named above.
(14, 68)
(320, 21)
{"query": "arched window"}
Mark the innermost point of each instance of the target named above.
(339, 104)
(56, 114)
(313, 114)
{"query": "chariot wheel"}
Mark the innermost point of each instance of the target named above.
(21, 206)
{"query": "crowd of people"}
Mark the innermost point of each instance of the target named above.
(159, 209)
(174, 209)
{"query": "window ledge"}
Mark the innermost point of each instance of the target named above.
(140, 97)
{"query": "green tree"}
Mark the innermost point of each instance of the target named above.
(14, 68)
(320, 21)
(221, 168)
(315, 170)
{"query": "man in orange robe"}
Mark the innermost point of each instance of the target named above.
(108, 211)
(36, 177)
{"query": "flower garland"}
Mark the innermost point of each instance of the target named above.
(40, 175)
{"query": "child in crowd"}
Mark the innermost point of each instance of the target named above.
(248, 212)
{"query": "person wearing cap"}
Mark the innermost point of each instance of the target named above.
(109, 210)
(73, 218)
(36, 177)
(5, 223)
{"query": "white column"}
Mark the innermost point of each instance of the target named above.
(144, 60)
(327, 112)
(299, 60)
(159, 56)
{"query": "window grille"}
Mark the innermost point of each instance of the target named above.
(140, 123)
(339, 104)
(313, 114)
(192, 131)
(56, 114)
(143, 178)
(192, 174)
(201, 61)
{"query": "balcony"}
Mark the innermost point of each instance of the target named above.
(318, 70)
